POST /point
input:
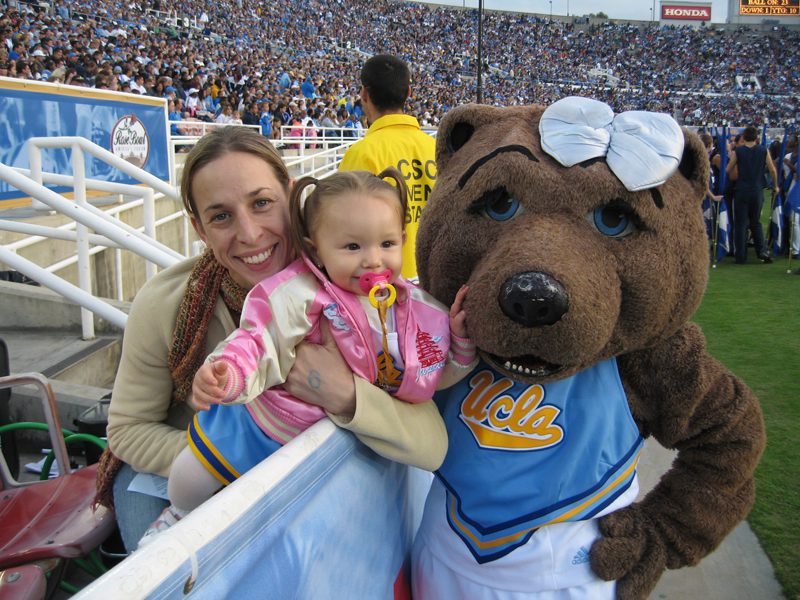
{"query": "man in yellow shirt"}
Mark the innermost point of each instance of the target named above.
(394, 139)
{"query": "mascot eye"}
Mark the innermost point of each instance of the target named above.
(501, 206)
(612, 220)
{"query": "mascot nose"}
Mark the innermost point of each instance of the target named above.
(533, 299)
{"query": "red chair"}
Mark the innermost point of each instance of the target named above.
(22, 583)
(45, 523)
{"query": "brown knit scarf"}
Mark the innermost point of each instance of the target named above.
(208, 280)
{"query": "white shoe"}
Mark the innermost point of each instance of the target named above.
(168, 518)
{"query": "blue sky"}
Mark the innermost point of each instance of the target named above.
(615, 9)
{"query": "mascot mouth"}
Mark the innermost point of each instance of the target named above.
(527, 366)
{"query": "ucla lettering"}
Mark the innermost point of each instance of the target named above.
(499, 420)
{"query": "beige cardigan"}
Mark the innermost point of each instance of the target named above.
(148, 431)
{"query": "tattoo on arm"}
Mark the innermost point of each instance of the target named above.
(314, 380)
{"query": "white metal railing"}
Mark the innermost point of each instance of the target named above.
(313, 162)
(318, 161)
(198, 128)
(86, 216)
(107, 228)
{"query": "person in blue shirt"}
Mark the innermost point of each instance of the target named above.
(308, 89)
(266, 119)
(351, 126)
(174, 115)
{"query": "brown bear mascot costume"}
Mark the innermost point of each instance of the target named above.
(581, 238)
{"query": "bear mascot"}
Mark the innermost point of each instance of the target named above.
(580, 235)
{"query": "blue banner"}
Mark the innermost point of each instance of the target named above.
(793, 199)
(723, 231)
(708, 216)
(776, 226)
(132, 127)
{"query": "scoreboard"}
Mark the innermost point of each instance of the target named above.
(770, 7)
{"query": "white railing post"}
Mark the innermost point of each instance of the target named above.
(149, 215)
(35, 160)
(118, 269)
(84, 262)
(185, 235)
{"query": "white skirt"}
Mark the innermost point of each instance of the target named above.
(552, 565)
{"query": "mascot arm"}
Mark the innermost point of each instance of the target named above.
(688, 401)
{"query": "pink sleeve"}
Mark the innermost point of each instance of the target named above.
(261, 352)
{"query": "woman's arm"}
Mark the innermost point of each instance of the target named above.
(732, 156)
(413, 434)
(138, 432)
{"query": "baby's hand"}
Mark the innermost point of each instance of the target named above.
(458, 316)
(209, 383)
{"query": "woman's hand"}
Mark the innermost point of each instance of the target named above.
(209, 385)
(322, 377)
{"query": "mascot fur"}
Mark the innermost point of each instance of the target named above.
(581, 238)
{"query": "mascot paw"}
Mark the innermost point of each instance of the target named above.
(630, 552)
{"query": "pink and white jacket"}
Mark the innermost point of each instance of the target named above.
(285, 309)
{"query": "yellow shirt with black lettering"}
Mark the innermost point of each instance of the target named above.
(397, 141)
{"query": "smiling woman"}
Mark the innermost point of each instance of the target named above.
(235, 189)
(245, 220)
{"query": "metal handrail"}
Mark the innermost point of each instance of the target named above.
(110, 232)
(87, 217)
(36, 144)
(71, 292)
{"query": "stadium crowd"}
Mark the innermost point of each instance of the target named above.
(286, 63)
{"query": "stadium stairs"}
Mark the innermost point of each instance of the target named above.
(42, 331)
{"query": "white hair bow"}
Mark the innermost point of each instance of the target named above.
(643, 149)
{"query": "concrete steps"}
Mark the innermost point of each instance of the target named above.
(81, 372)
(42, 332)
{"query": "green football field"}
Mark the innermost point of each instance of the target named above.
(751, 317)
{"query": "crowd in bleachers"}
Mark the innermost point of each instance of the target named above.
(285, 57)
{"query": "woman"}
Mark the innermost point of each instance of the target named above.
(235, 188)
(226, 116)
(329, 125)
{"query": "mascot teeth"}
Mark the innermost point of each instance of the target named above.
(531, 365)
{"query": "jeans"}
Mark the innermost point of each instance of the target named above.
(135, 511)
(747, 213)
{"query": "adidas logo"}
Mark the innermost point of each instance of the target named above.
(581, 557)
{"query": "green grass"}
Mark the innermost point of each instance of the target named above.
(751, 317)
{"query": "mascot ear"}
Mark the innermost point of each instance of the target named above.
(459, 135)
(694, 164)
(457, 128)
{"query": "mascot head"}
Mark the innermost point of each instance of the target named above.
(580, 233)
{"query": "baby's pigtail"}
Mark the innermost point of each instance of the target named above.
(400, 187)
(297, 215)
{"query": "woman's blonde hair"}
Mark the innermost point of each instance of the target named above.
(225, 140)
(304, 216)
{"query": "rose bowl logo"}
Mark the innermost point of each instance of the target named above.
(129, 140)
